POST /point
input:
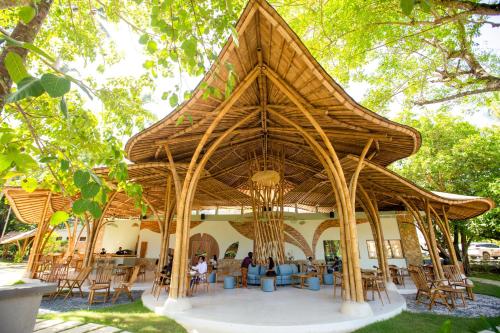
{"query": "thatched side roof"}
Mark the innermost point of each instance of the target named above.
(29, 206)
(15, 236)
(387, 186)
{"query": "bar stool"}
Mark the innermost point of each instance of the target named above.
(313, 283)
(229, 282)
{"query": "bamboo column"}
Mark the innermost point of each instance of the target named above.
(427, 228)
(40, 233)
(370, 208)
(444, 226)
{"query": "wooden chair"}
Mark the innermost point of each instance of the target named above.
(200, 279)
(161, 281)
(432, 290)
(127, 286)
(338, 282)
(69, 284)
(142, 271)
(376, 283)
(101, 284)
(458, 280)
(396, 275)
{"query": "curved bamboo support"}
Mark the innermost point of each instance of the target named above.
(372, 214)
(444, 226)
(35, 249)
(348, 215)
(425, 229)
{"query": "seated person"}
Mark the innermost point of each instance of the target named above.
(120, 251)
(213, 263)
(270, 267)
(196, 271)
(103, 251)
(337, 264)
(310, 266)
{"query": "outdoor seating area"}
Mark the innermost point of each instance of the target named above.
(268, 200)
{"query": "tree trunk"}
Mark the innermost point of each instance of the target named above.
(465, 246)
(455, 242)
(23, 33)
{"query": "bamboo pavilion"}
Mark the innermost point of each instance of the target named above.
(288, 138)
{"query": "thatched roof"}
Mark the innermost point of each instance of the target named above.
(29, 206)
(262, 33)
(387, 186)
(15, 236)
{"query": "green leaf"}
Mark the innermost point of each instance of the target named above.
(234, 34)
(81, 178)
(144, 39)
(96, 178)
(24, 161)
(58, 218)
(190, 118)
(64, 165)
(425, 5)
(152, 46)
(189, 47)
(63, 107)
(407, 6)
(95, 210)
(56, 86)
(179, 120)
(80, 206)
(5, 162)
(26, 14)
(173, 100)
(148, 64)
(90, 190)
(47, 159)
(27, 87)
(29, 184)
(15, 66)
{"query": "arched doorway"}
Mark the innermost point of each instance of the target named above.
(202, 245)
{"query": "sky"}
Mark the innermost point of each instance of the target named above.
(133, 56)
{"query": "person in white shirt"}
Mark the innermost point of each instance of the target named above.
(199, 269)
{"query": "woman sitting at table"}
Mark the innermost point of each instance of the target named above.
(310, 266)
(213, 263)
(270, 267)
(196, 271)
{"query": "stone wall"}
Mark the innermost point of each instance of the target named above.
(409, 238)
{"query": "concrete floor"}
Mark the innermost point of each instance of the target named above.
(287, 310)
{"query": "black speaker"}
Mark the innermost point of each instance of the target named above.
(332, 215)
(202, 216)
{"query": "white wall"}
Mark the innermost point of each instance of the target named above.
(226, 235)
(120, 233)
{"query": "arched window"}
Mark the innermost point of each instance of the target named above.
(231, 251)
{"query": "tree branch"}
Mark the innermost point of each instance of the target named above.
(476, 8)
(458, 95)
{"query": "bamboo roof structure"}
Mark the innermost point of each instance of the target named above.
(387, 186)
(275, 74)
(276, 78)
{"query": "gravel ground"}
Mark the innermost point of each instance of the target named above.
(78, 303)
(487, 306)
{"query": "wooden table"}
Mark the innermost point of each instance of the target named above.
(302, 278)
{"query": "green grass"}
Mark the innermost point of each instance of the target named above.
(428, 323)
(133, 317)
(485, 275)
(486, 289)
(18, 282)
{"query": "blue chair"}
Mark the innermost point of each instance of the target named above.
(267, 284)
(313, 283)
(328, 278)
(229, 282)
(212, 278)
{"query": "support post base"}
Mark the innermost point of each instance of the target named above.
(173, 306)
(356, 309)
(391, 286)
